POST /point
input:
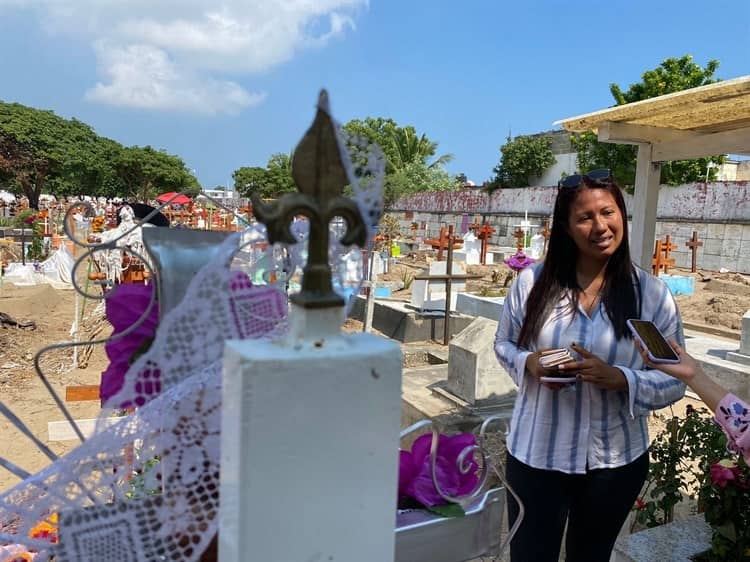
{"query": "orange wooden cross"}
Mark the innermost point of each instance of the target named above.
(667, 247)
(519, 236)
(484, 235)
(656, 262)
(661, 260)
(693, 244)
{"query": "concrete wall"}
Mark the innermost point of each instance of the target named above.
(719, 212)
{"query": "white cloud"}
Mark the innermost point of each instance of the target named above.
(176, 54)
(142, 76)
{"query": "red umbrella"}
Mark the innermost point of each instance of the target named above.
(174, 198)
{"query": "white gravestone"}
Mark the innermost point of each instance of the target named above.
(430, 294)
(742, 355)
(309, 445)
(471, 252)
(474, 373)
(536, 246)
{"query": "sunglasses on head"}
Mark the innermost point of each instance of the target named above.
(596, 177)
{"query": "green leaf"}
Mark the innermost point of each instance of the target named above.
(449, 510)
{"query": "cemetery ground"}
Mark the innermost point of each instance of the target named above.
(719, 303)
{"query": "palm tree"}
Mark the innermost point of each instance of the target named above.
(407, 148)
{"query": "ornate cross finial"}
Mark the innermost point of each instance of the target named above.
(320, 175)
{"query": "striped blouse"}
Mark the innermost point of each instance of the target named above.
(584, 427)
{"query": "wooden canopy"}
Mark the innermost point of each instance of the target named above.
(702, 121)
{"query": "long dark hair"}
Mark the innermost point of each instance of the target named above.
(558, 275)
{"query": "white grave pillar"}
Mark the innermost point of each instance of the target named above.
(309, 451)
(310, 423)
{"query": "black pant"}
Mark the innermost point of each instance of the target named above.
(595, 505)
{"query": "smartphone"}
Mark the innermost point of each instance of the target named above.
(657, 346)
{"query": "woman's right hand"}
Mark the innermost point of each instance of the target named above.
(537, 371)
(686, 370)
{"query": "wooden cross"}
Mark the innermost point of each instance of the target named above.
(483, 233)
(519, 235)
(441, 243)
(667, 247)
(693, 244)
(661, 259)
(448, 279)
(444, 241)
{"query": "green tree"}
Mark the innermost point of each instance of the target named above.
(146, 172)
(673, 75)
(40, 151)
(522, 159)
(269, 182)
(401, 145)
(21, 165)
(408, 148)
(411, 162)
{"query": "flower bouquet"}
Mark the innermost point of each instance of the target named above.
(724, 499)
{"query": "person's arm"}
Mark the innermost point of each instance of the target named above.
(689, 371)
(652, 389)
(731, 413)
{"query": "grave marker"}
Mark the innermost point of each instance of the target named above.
(448, 279)
(693, 244)
(661, 260)
(519, 235)
(474, 374)
(483, 232)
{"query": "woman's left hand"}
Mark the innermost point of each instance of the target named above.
(594, 370)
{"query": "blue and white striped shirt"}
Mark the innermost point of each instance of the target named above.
(585, 427)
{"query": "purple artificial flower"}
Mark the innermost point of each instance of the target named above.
(30, 219)
(124, 306)
(519, 261)
(415, 471)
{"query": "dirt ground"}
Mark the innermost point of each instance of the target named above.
(720, 300)
(21, 390)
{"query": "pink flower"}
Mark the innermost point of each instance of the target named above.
(723, 472)
(123, 307)
(30, 219)
(415, 471)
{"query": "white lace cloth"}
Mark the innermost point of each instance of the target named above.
(147, 487)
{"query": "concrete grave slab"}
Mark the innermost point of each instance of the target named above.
(475, 305)
(397, 320)
(474, 373)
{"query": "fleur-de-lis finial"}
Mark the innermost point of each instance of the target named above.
(320, 175)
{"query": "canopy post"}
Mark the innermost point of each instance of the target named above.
(645, 203)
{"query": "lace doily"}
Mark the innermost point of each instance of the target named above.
(146, 486)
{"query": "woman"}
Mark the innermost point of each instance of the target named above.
(731, 413)
(578, 453)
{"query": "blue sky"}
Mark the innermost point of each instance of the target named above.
(225, 84)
